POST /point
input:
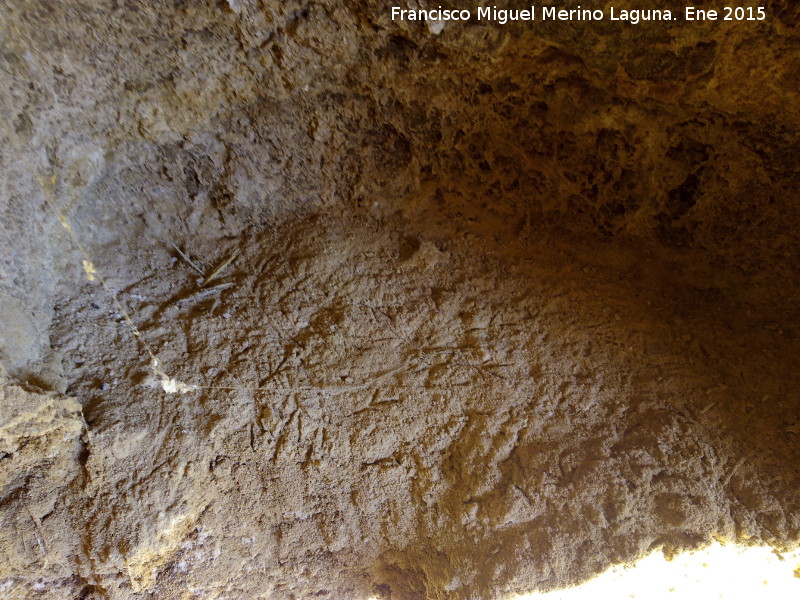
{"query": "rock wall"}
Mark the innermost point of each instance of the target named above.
(508, 304)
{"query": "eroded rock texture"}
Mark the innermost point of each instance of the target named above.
(506, 304)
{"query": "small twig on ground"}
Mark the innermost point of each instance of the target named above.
(188, 260)
(37, 532)
(216, 272)
(201, 294)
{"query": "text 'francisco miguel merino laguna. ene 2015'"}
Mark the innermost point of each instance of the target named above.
(553, 13)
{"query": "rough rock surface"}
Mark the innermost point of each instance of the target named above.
(507, 304)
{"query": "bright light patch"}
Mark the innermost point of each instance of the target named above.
(727, 572)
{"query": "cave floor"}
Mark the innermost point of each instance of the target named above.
(378, 410)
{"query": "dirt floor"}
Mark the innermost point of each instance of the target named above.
(437, 315)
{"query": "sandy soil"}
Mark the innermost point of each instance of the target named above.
(385, 412)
